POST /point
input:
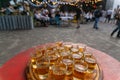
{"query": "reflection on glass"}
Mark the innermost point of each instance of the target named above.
(87, 54)
(74, 50)
(77, 57)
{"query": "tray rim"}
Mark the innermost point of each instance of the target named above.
(33, 77)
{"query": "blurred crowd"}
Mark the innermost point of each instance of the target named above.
(45, 14)
(20, 8)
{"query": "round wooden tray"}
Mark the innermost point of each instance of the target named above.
(97, 75)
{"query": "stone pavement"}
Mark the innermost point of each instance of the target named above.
(12, 42)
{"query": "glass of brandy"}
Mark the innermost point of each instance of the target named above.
(88, 54)
(59, 43)
(68, 62)
(74, 50)
(77, 57)
(79, 71)
(91, 61)
(67, 46)
(52, 59)
(58, 72)
(34, 57)
(82, 47)
(43, 67)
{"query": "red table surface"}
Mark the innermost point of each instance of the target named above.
(14, 69)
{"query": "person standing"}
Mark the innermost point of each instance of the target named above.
(115, 14)
(97, 15)
(2, 11)
(57, 17)
(117, 28)
(108, 15)
(78, 13)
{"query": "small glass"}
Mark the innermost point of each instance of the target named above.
(58, 72)
(34, 58)
(80, 69)
(67, 47)
(91, 61)
(58, 44)
(87, 54)
(69, 65)
(43, 67)
(61, 49)
(77, 57)
(82, 47)
(39, 50)
(52, 59)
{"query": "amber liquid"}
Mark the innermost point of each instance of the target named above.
(88, 55)
(40, 51)
(79, 72)
(91, 63)
(43, 69)
(67, 47)
(59, 75)
(81, 49)
(61, 49)
(69, 66)
(53, 59)
(35, 58)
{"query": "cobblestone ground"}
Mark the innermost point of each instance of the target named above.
(12, 42)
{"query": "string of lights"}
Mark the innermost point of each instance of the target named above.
(55, 3)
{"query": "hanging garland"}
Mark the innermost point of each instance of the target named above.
(52, 6)
(43, 2)
(48, 3)
(34, 5)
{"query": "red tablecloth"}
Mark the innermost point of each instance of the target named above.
(14, 69)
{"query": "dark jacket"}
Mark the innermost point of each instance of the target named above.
(118, 21)
(78, 12)
(97, 13)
